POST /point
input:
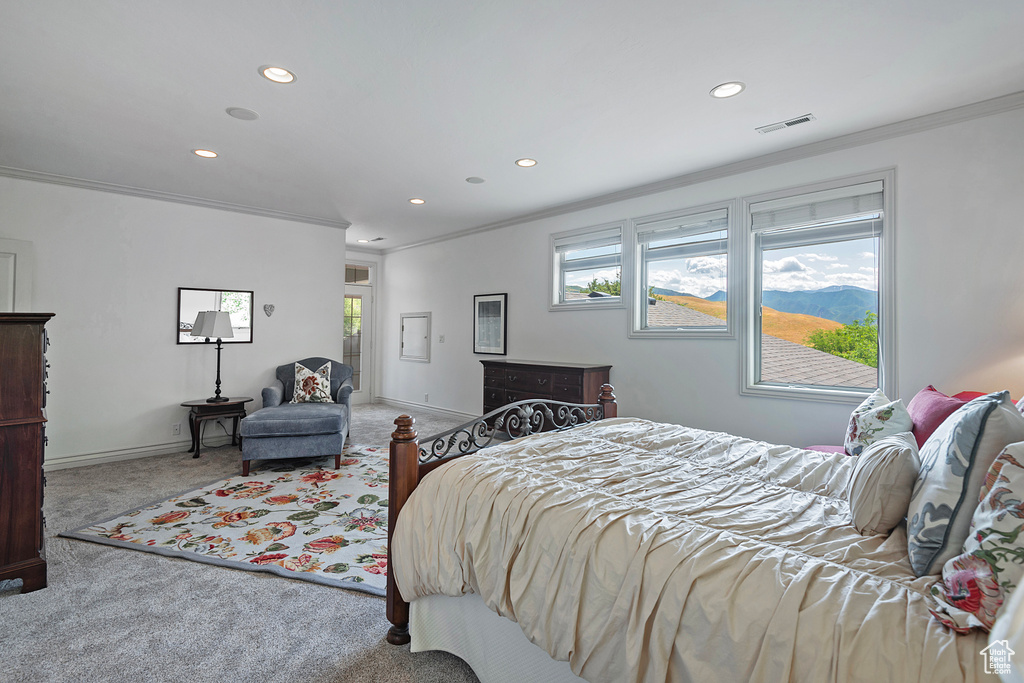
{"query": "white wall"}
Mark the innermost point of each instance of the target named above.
(110, 266)
(960, 313)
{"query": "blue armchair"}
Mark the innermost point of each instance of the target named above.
(282, 429)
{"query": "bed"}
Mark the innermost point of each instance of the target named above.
(618, 549)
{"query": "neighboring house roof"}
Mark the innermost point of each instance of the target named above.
(790, 363)
(671, 314)
(781, 361)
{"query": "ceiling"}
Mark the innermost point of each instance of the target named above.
(403, 99)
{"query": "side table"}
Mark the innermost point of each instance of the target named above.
(201, 410)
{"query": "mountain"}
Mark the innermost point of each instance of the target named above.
(842, 303)
(669, 292)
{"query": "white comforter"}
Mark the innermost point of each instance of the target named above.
(651, 552)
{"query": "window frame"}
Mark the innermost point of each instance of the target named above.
(887, 333)
(556, 273)
(633, 272)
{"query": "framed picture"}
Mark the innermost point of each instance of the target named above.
(490, 324)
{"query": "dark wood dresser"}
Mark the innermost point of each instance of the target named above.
(507, 381)
(23, 343)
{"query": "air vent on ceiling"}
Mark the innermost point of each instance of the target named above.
(772, 127)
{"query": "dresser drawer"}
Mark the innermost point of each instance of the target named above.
(494, 382)
(572, 378)
(494, 397)
(528, 381)
(513, 395)
(562, 392)
(494, 372)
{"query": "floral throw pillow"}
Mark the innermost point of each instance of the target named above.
(873, 419)
(312, 386)
(977, 583)
(954, 463)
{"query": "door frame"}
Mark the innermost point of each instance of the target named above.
(367, 392)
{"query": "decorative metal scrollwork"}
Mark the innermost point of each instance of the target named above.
(512, 421)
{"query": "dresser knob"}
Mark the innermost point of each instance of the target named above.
(542, 381)
(511, 378)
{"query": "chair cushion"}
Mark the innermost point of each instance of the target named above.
(296, 419)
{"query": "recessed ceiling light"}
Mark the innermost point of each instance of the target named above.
(417, 200)
(205, 153)
(526, 163)
(277, 74)
(728, 89)
(242, 113)
(363, 241)
(474, 180)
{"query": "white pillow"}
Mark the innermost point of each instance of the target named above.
(881, 484)
(873, 419)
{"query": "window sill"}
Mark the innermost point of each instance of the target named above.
(805, 393)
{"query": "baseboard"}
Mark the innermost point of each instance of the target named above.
(427, 408)
(83, 459)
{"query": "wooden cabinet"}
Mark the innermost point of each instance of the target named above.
(508, 381)
(22, 401)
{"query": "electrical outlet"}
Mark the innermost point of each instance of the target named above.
(440, 339)
(176, 429)
(426, 398)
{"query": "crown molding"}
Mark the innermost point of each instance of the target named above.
(39, 176)
(918, 124)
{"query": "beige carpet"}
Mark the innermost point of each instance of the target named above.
(111, 614)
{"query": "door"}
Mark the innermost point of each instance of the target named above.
(358, 343)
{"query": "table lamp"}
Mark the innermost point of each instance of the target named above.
(211, 324)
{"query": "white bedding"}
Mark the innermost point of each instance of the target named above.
(639, 551)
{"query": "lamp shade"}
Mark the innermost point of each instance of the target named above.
(213, 324)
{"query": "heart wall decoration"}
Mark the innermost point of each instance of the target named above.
(268, 309)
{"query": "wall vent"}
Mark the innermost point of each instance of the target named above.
(772, 127)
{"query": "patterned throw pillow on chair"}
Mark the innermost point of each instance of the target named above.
(312, 386)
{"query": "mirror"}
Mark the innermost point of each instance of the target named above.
(415, 337)
(238, 303)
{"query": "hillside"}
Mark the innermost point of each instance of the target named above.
(794, 327)
(842, 303)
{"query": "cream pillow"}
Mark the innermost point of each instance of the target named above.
(312, 386)
(876, 417)
(882, 482)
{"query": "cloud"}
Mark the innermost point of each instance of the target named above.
(700, 276)
(817, 257)
(789, 264)
(867, 254)
(839, 265)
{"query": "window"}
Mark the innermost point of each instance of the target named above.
(587, 268)
(357, 275)
(681, 263)
(821, 293)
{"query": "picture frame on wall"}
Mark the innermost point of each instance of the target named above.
(490, 324)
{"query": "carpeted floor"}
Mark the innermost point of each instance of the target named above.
(111, 614)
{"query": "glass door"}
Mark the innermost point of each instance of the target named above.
(357, 346)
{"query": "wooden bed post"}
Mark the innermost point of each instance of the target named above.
(607, 401)
(403, 477)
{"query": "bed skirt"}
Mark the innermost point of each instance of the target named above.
(492, 645)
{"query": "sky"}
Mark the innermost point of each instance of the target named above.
(853, 262)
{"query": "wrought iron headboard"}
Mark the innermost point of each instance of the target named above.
(511, 421)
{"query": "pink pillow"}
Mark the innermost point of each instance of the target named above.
(929, 409)
(826, 449)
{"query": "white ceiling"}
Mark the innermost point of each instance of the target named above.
(408, 98)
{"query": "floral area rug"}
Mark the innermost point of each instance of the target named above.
(297, 518)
